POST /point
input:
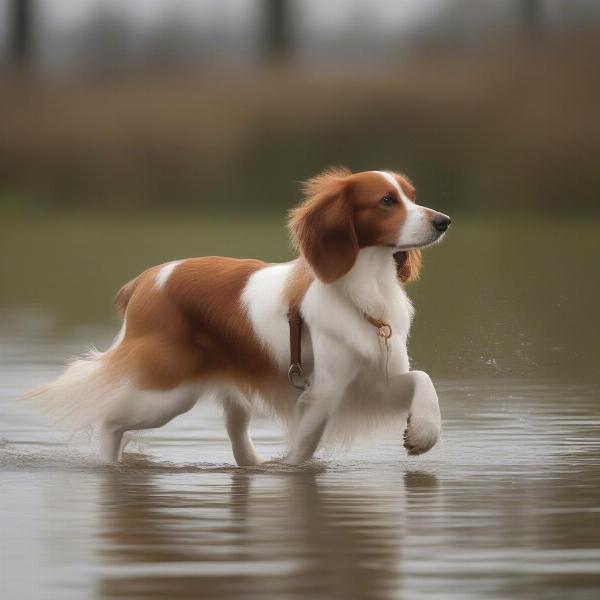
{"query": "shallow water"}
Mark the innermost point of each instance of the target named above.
(507, 506)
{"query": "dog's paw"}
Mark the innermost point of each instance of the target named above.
(421, 434)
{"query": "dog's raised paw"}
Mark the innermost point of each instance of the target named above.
(421, 434)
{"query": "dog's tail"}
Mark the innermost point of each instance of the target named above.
(83, 395)
(124, 294)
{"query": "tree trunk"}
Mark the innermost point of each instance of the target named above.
(20, 33)
(276, 29)
(531, 17)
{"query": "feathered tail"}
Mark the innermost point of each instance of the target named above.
(83, 395)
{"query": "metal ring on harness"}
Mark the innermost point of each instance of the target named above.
(296, 370)
(385, 331)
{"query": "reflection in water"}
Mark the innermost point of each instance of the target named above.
(280, 534)
(506, 507)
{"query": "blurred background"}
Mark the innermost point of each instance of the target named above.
(133, 132)
(136, 132)
(223, 106)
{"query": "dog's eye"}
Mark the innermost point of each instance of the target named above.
(388, 200)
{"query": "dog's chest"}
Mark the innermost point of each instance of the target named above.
(347, 320)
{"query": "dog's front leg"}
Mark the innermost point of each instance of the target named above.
(416, 394)
(309, 427)
(333, 373)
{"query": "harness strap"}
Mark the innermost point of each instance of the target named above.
(296, 375)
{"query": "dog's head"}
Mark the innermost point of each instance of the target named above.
(344, 212)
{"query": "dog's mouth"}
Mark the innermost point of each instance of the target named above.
(434, 239)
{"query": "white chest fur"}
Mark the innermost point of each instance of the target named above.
(370, 288)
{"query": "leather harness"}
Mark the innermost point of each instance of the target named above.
(296, 375)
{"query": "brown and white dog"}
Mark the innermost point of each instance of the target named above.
(218, 327)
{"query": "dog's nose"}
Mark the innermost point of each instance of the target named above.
(441, 222)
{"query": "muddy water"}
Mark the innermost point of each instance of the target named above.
(507, 506)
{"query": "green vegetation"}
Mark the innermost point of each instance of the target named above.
(500, 296)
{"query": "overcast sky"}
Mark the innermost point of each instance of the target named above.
(61, 14)
(58, 21)
(234, 25)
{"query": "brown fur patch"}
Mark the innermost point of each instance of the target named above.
(407, 187)
(298, 282)
(322, 227)
(123, 296)
(193, 328)
(408, 264)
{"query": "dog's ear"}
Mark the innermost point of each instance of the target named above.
(322, 227)
(408, 264)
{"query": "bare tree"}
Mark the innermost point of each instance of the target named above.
(20, 45)
(530, 14)
(276, 32)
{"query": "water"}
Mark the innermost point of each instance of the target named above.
(507, 506)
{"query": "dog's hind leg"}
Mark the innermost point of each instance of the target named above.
(127, 437)
(238, 415)
(111, 438)
(142, 409)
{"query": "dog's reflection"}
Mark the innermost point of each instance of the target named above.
(254, 535)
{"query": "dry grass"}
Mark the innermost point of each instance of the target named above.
(519, 126)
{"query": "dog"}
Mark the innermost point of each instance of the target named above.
(219, 327)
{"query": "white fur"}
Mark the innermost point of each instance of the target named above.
(84, 394)
(392, 181)
(163, 275)
(370, 287)
(266, 304)
(143, 409)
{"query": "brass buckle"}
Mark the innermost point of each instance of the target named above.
(296, 370)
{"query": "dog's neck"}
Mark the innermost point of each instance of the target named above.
(372, 282)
